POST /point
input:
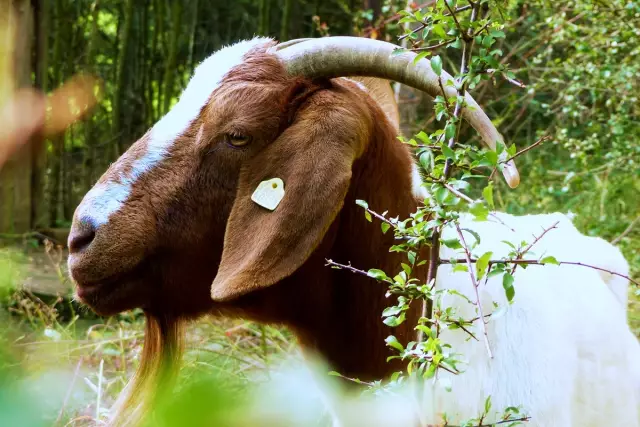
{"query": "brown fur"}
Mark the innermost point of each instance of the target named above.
(332, 144)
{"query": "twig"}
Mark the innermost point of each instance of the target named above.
(444, 94)
(475, 287)
(519, 153)
(346, 267)
(532, 146)
(435, 238)
(461, 326)
(535, 240)
(432, 47)
(507, 78)
(626, 231)
(455, 19)
(424, 24)
(484, 27)
(537, 262)
(457, 193)
(380, 217)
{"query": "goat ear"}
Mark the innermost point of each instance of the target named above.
(313, 157)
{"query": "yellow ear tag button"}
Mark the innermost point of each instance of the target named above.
(269, 193)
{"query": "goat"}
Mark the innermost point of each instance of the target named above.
(171, 226)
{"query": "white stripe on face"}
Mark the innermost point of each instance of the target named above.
(107, 198)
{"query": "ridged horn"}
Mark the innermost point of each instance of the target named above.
(344, 56)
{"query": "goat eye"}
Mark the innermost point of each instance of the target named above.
(237, 140)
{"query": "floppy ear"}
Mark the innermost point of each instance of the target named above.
(313, 157)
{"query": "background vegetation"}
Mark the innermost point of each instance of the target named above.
(579, 60)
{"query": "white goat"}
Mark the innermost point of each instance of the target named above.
(551, 323)
(570, 245)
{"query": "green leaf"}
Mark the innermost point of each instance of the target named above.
(440, 195)
(406, 268)
(394, 321)
(436, 65)
(487, 193)
(482, 263)
(549, 260)
(422, 136)
(391, 311)
(492, 157)
(475, 235)
(460, 267)
(367, 215)
(451, 243)
(420, 56)
(426, 160)
(362, 203)
(385, 227)
(507, 284)
(448, 152)
(479, 211)
(393, 342)
(377, 274)
(487, 404)
(450, 131)
(506, 242)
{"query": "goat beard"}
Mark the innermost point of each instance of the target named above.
(156, 374)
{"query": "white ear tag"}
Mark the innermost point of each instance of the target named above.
(269, 193)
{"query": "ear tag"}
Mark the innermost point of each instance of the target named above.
(269, 193)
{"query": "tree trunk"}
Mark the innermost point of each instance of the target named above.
(170, 70)
(15, 175)
(57, 142)
(39, 153)
(263, 26)
(286, 17)
(121, 80)
(192, 36)
(91, 163)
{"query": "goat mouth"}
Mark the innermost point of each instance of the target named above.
(100, 295)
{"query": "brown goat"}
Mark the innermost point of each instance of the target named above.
(171, 227)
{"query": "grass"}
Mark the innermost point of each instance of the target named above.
(74, 366)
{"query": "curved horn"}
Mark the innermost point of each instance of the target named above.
(288, 43)
(355, 56)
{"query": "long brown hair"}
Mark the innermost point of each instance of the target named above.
(156, 374)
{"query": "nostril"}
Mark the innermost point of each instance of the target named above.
(82, 234)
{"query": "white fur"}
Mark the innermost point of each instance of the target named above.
(569, 244)
(417, 187)
(563, 349)
(105, 199)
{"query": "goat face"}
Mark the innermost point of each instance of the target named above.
(175, 211)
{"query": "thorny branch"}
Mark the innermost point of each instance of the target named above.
(538, 262)
(475, 287)
(521, 152)
(626, 231)
(535, 240)
(427, 308)
(424, 24)
(348, 267)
